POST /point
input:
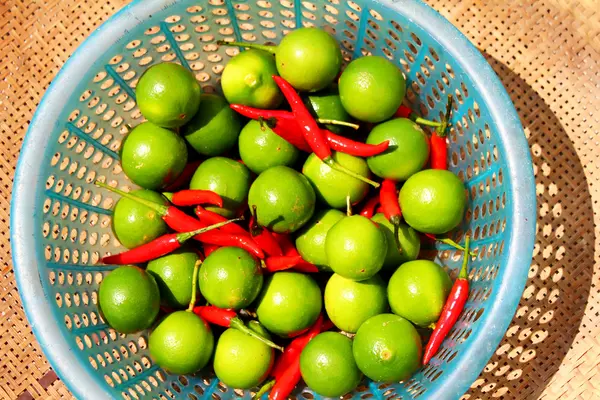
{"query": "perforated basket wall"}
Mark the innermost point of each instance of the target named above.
(84, 117)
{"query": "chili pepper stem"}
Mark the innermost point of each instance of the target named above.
(264, 389)
(425, 122)
(159, 208)
(451, 243)
(441, 130)
(182, 237)
(395, 220)
(238, 324)
(334, 165)
(264, 47)
(337, 122)
(194, 284)
(464, 273)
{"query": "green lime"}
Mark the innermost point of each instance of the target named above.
(153, 157)
(372, 88)
(418, 290)
(349, 303)
(332, 186)
(289, 302)
(241, 361)
(174, 275)
(129, 299)
(261, 148)
(182, 343)
(327, 365)
(408, 152)
(433, 201)
(230, 278)
(410, 243)
(310, 241)
(214, 129)
(327, 104)
(228, 178)
(168, 95)
(284, 199)
(309, 59)
(387, 348)
(247, 79)
(355, 248)
(135, 224)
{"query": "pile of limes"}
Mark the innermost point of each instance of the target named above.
(370, 284)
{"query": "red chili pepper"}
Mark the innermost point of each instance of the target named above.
(388, 197)
(289, 250)
(263, 237)
(295, 262)
(185, 177)
(289, 378)
(158, 247)
(403, 112)
(210, 217)
(191, 197)
(368, 209)
(229, 319)
(209, 248)
(245, 242)
(454, 305)
(439, 147)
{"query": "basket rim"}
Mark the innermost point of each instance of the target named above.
(494, 321)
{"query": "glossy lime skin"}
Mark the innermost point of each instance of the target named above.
(372, 88)
(433, 201)
(226, 177)
(214, 129)
(418, 290)
(168, 95)
(332, 186)
(387, 348)
(129, 299)
(310, 241)
(327, 365)
(408, 152)
(326, 104)
(410, 243)
(182, 343)
(349, 303)
(289, 303)
(174, 276)
(248, 79)
(230, 278)
(355, 248)
(284, 199)
(153, 157)
(309, 59)
(261, 148)
(135, 224)
(241, 361)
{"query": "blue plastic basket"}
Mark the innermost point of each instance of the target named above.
(61, 222)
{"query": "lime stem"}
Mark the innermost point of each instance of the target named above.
(182, 237)
(264, 47)
(348, 207)
(238, 324)
(159, 208)
(337, 122)
(194, 285)
(334, 165)
(464, 273)
(264, 389)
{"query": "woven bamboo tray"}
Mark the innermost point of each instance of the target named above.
(547, 54)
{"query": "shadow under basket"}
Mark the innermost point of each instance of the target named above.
(61, 221)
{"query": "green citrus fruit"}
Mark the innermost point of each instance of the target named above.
(410, 243)
(174, 275)
(309, 59)
(182, 343)
(327, 365)
(215, 127)
(387, 348)
(418, 290)
(241, 361)
(408, 152)
(310, 241)
(372, 88)
(289, 302)
(153, 157)
(349, 303)
(332, 186)
(247, 79)
(326, 104)
(433, 201)
(284, 199)
(261, 148)
(135, 224)
(168, 95)
(228, 178)
(355, 248)
(230, 278)
(129, 299)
